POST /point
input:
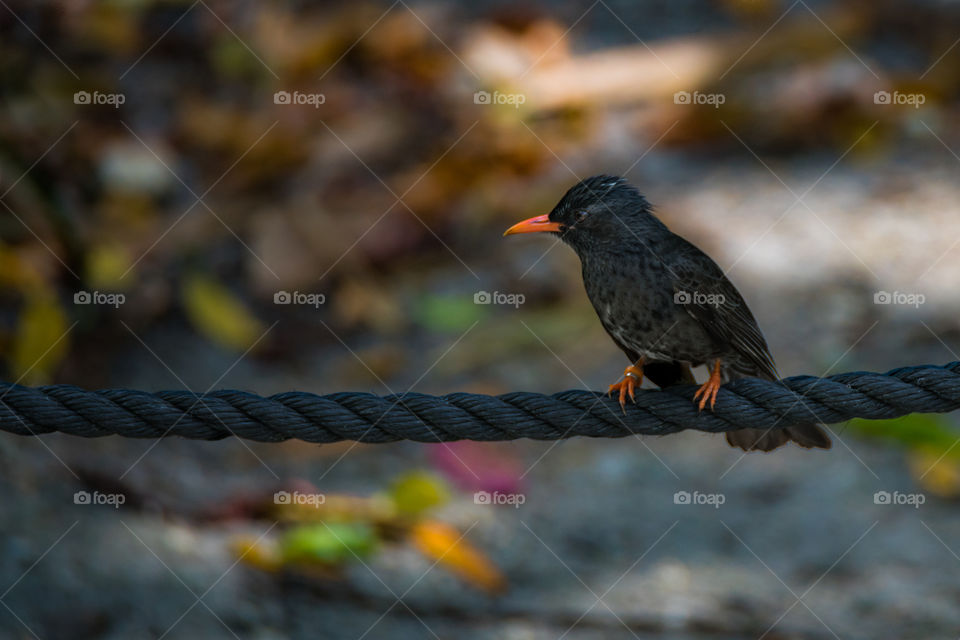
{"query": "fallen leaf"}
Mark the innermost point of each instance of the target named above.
(331, 543)
(257, 553)
(107, 264)
(418, 491)
(220, 315)
(935, 472)
(447, 546)
(40, 341)
(917, 430)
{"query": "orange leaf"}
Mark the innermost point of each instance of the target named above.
(447, 545)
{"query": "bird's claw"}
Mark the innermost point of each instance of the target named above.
(708, 391)
(632, 378)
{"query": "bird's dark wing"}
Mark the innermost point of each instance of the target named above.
(715, 303)
(663, 373)
(632, 355)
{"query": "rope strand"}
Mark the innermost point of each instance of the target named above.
(364, 417)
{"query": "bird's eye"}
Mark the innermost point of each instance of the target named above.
(579, 215)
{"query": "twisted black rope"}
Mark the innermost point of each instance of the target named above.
(745, 403)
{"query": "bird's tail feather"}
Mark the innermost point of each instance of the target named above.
(665, 374)
(810, 436)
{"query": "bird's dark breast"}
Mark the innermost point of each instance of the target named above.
(634, 299)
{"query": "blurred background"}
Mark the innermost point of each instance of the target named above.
(288, 196)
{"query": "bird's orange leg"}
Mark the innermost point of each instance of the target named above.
(632, 378)
(709, 389)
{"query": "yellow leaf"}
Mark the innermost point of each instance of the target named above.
(935, 472)
(256, 553)
(40, 343)
(15, 272)
(219, 315)
(445, 544)
(106, 266)
(418, 491)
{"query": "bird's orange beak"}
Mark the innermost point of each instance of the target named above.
(534, 224)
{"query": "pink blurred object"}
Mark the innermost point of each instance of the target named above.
(478, 466)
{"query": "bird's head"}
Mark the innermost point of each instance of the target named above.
(599, 211)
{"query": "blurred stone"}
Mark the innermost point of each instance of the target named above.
(129, 166)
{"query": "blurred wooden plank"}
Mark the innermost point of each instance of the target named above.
(654, 70)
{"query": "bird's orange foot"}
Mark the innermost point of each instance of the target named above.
(708, 391)
(632, 378)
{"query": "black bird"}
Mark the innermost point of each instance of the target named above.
(664, 302)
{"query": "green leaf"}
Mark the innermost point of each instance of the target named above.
(448, 313)
(917, 430)
(330, 543)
